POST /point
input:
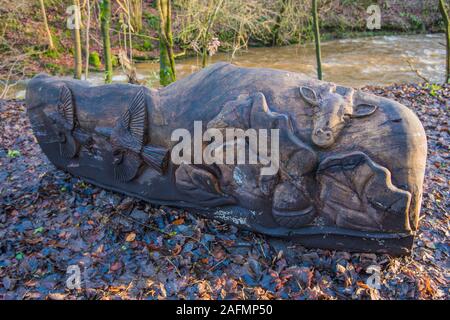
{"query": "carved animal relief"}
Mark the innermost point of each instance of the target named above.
(334, 108)
(65, 124)
(322, 165)
(128, 143)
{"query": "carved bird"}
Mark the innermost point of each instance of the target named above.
(65, 122)
(128, 142)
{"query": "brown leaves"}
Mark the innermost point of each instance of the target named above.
(84, 226)
(116, 266)
(177, 250)
(178, 222)
(130, 237)
(425, 287)
(362, 285)
(57, 296)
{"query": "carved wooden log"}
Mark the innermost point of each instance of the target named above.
(351, 165)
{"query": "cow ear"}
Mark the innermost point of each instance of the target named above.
(363, 110)
(309, 95)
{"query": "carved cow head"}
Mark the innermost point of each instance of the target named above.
(334, 108)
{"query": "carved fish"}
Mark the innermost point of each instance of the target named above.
(65, 121)
(128, 141)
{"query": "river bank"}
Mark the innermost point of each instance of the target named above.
(380, 60)
(260, 23)
(127, 249)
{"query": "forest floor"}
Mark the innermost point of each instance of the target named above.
(127, 249)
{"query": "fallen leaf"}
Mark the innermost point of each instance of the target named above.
(178, 222)
(56, 296)
(130, 237)
(116, 266)
(362, 285)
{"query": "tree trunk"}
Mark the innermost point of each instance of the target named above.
(136, 14)
(51, 46)
(105, 18)
(130, 39)
(205, 55)
(77, 3)
(88, 26)
(209, 25)
(78, 68)
(276, 29)
(317, 39)
(445, 16)
(167, 73)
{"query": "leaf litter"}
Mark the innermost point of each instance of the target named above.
(128, 249)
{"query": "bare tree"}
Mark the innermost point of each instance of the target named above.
(105, 17)
(444, 11)
(127, 24)
(276, 29)
(51, 46)
(88, 26)
(128, 68)
(167, 72)
(210, 22)
(136, 14)
(78, 67)
(317, 39)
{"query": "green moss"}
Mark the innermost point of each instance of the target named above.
(56, 39)
(4, 48)
(415, 21)
(34, 52)
(115, 61)
(94, 60)
(227, 36)
(54, 54)
(55, 69)
(68, 33)
(152, 21)
(166, 75)
(147, 45)
(433, 89)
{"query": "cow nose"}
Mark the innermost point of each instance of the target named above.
(323, 133)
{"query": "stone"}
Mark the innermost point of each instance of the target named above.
(345, 168)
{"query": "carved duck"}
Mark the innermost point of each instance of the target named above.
(128, 142)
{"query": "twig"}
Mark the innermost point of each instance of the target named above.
(7, 85)
(88, 26)
(173, 264)
(135, 34)
(417, 71)
(218, 263)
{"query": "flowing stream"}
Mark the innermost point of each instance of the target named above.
(380, 60)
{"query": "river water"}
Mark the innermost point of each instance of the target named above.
(380, 60)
